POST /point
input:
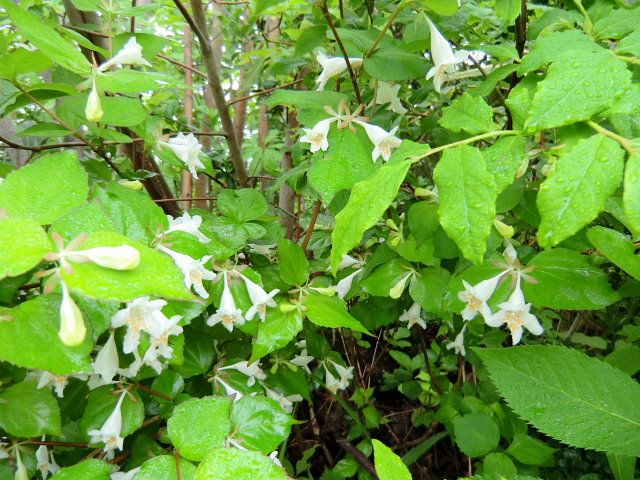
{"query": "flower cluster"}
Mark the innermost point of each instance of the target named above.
(342, 381)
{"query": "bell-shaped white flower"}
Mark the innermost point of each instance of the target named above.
(317, 136)
(193, 270)
(347, 261)
(58, 382)
(189, 224)
(389, 94)
(21, 472)
(332, 67)
(458, 343)
(274, 455)
(227, 314)
(515, 313)
(93, 111)
(186, 149)
(45, 461)
(302, 360)
(344, 285)
(259, 298)
(346, 374)
(72, 329)
(107, 362)
(477, 297)
(124, 257)
(110, 431)
(131, 54)
(382, 140)
(412, 316)
(138, 317)
(285, 402)
(159, 333)
(253, 371)
(443, 56)
(331, 382)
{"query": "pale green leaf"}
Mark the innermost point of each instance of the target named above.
(617, 24)
(233, 464)
(471, 114)
(165, 467)
(616, 247)
(23, 244)
(310, 104)
(630, 44)
(441, 7)
(388, 465)
(330, 312)
(135, 81)
(44, 130)
(548, 48)
(503, 159)
(242, 205)
(23, 61)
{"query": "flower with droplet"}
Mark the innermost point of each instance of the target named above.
(138, 317)
(458, 343)
(412, 316)
(186, 149)
(131, 54)
(72, 329)
(317, 136)
(227, 314)
(332, 67)
(259, 298)
(110, 431)
(443, 57)
(253, 371)
(386, 93)
(193, 270)
(189, 224)
(382, 140)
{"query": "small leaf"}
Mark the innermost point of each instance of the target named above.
(32, 241)
(230, 463)
(626, 360)
(630, 44)
(294, 266)
(242, 205)
(198, 354)
(330, 312)
(276, 332)
(388, 465)
(529, 450)
(622, 466)
(423, 221)
(617, 248)
(26, 411)
(476, 434)
(471, 114)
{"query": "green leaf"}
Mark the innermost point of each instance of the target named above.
(631, 195)
(617, 24)
(476, 434)
(508, 10)
(471, 114)
(198, 354)
(135, 81)
(242, 205)
(118, 111)
(498, 464)
(388, 465)
(44, 130)
(617, 248)
(60, 183)
(23, 61)
(393, 64)
(164, 467)
(577, 189)
(102, 404)
(330, 312)
(26, 411)
(157, 274)
(530, 451)
(262, 423)
(23, 244)
(310, 105)
(233, 464)
(309, 39)
(90, 469)
(546, 385)
(568, 281)
(383, 278)
(549, 48)
(34, 340)
(503, 159)
(626, 360)
(441, 7)
(148, 212)
(467, 199)
(170, 383)
(423, 221)
(200, 424)
(630, 44)
(294, 266)
(346, 162)
(579, 85)
(46, 39)
(276, 332)
(622, 466)
(429, 290)
(368, 201)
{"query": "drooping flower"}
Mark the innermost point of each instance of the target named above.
(347, 261)
(285, 402)
(138, 317)
(58, 382)
(227, 312)
(110, 431)
(332, 382)
(124, 257)
(344, 285)
(93, 111)
(107, 362)
(303, 360)
(21, 472)
(515, 313)
(45, 461)
(259, 298)
(186, 149)
(386, 93)
(72, 329)
(131, 54)
(443, 56)
(346, 374)
(458, 343)
(477, 297)
(253, 371)
(317, 136)
(189, 224)
(332, 67)
(382, 140)
(229, 390)
(412, 316)
(193, 270)
(159, 333)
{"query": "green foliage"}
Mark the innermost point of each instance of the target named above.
(388, 464)
(227, 464)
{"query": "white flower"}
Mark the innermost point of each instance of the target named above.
(458, 343)
(253, 371)
(302, 344)
(261, 249)
(133, 369)
(413, 316)
(189, 224)
(382, 140)
(21, 472)
(107, 362)
(332, 67)
(344, 285)
(346, 374)
(124, 257)
(46, 463)
(131, 54)
(478, 296)
(388, 94)
(138, 317)
(332, 382)
(317, 136)
(58, 382)
(229, 390)
(186, 149)
(259, 298)
(72, 329)
(515, 313)
(347, 261)
(110, 431)
(125, 475)
(443, 57)
(160, 332)
(93, 111)
(193, 270)
(285, 402)
(227, 312)
(274, 455)
(302, 360)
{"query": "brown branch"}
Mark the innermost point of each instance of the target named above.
(176, 454)
(265, 91)
(180, 64)
(153, 392)
(276, 41)
(182, 200)
(91, 32)
(359, 457)
(314, 217)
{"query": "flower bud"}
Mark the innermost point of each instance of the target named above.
(72, 328)
(399, 287)
(328, 291)
(505, 230)
(124, 257)
(288, 307)
(132, 184)
(94, 111)
(21, 473)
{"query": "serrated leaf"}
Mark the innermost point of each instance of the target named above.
(233, 464)
(388, 465)
(546, 385)
(508, 10)
(616, 247)
(368, 201)
(566, 280)
(60, 183)
(330, 312)
(23, 244)
(471, 114)
(626, 360)
(503, 159)
(476, 434)
(549, 48)
(242, 205)
(26, 411)
(617, 24)
(577, 189)
(622, 466)
(578, 85)
(90, 469)
(467, 199)
(631, 195)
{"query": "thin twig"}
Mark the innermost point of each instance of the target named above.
(314, 217)
(359, 457)
(382, 33)
(176, 454)
(153, 392)
(180, 64)
(184, 199)
(276, 41)
(265, 91)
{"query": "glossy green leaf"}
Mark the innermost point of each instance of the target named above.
(200, 424)
(102, 404)
(388, 465)
(90, 469)
(471, 114)
(32, 340)
(157, 274)
(577, 189)
(23, 61)
(294, 266)
(549, 48)
(276, 332)
(330, 312)
(23, 244)
(233, 464)
(617, 24)
(60, 183)
(631, 195)
(566, 384)
(508, 10)
(164, 467)
(616, 247)
(26, 411)
(261, 421)
(170, 383)
(368, 201)
(242, 205)
(503, 159)
(467, 199)
(530, 450)
(429, 290)
(384, 277)
(44, 130)
(423, 221)
(476, 434)
(578, 85)
(198, 354)
(392, 64)
(566, 280)
(630, 44)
